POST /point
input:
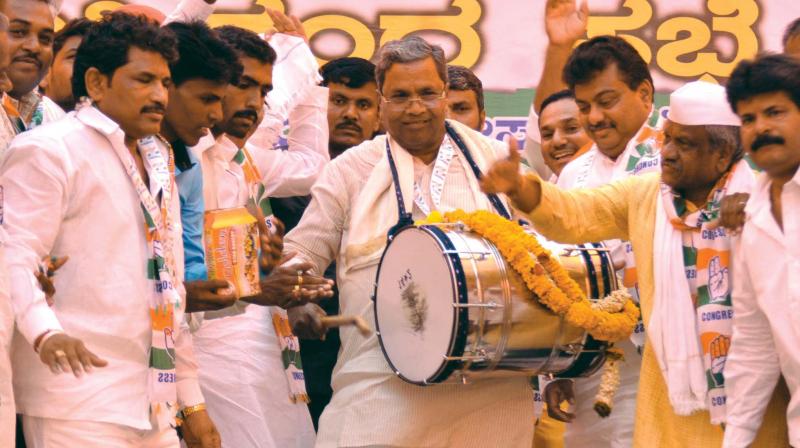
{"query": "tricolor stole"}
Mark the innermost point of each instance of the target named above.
(707, 261)
(289, 344)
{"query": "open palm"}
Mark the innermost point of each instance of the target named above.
(565, 22)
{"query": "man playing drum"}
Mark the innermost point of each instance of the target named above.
(423, 164)
(683, 263)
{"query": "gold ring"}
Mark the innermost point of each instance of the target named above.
(60, 354)
(296, 288)
(299, 280)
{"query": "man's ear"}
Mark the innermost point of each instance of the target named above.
(646, 92)
(96, 84)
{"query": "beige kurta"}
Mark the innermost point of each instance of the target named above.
(627, 210)
(371, 406)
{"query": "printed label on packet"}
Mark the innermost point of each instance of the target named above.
(231, 243)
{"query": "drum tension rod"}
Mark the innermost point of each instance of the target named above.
(490, 305)
(480, 255)
(466, 358)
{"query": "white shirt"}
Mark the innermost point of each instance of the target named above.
(67, 193)
(371, 406)
(252, 407)
(283, 173)
(190, 10)
(766, 314)
(7, 414)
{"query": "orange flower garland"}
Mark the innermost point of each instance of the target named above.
(545, 276)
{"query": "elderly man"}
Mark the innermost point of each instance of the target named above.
(684, 263)
(118, 306)
(465, 97)
(765, 93)
(355, 202)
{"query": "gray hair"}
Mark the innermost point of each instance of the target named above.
(408, 49)
(720, 136)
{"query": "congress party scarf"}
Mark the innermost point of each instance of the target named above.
(289, 344)
(706, 262)
(13, 110)
(165, 300)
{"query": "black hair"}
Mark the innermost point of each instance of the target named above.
(202, 54)
(598, 53)
(351, 72)
(74, 28)
(558, 96)
(247, 43)
(462, 78)
(791, 31)
(765, 74)
(107, 43)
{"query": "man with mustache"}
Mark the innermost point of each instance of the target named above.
(614, 91)
(31, 49)
(355, 203)
(765, 93)
(7, 411)
(561, 132)
(264, 405)
(352, 104)
(684, 264)
(465, 97)
(110, 363)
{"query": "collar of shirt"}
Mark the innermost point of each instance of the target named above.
(225, 150)
(92, 116)
(184, 159)
(759, 207)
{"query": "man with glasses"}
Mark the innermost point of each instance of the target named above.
(353, 207)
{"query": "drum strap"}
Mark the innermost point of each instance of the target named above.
(404, 217)
(493, 198)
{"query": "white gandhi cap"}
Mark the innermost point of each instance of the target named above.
(701, 103)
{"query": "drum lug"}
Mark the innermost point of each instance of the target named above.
(568, 251)
(491, 305)
(464, 378)
(572, 349)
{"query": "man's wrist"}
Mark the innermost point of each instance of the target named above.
(42, 338)
(189, 410)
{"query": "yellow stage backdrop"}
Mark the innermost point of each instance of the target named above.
(503, 41)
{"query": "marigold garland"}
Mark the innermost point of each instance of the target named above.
(609, 383)
(545, 276)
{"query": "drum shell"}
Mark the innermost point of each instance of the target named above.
(502, 328)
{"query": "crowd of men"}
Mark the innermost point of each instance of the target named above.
(118, 136)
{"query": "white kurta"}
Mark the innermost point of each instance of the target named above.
(766, 315)
(7, 414)
(589, 170)
(241, 369)
(67, 193)
(370, 405)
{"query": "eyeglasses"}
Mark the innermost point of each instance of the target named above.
(427, 99)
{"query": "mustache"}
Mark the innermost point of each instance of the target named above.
(348, 123)
(28, 55)
(157, 108)
(246, 113)
(601, 126)
(766, 139)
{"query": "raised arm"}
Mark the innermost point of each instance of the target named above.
(574, 216)
(565, 23)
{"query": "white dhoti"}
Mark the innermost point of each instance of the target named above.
(244, 384)
(616, 430)
(55, 433)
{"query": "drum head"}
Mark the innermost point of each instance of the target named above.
(414, 312)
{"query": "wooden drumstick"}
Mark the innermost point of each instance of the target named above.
(339, 321)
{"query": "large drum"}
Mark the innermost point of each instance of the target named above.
(449, 308)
